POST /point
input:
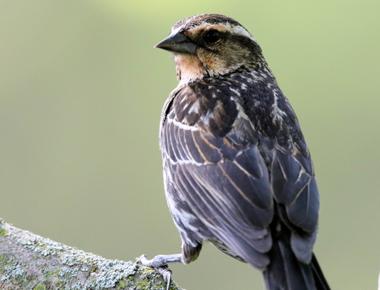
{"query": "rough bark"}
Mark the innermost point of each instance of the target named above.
(28, 261)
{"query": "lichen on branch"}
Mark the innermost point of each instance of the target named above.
(29, 261)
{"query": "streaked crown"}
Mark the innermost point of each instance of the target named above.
(211, 44)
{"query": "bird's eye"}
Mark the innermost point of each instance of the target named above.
(211, 36)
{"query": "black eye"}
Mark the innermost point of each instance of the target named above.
(211, 36)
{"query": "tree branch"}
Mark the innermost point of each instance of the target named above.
(28, 261)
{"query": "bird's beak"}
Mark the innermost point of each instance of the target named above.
(178, 42)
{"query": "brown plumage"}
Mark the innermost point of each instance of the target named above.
(236, 166)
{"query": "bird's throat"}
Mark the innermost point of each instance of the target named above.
(188, 67)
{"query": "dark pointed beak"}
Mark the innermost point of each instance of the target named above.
(178, 43)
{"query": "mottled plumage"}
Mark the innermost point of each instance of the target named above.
(237, 170)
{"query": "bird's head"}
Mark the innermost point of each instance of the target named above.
(210, 45)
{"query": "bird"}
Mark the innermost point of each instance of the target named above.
(236, 166)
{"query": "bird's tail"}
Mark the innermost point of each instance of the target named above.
(287, 273)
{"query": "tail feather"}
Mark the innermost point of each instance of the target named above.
(319, 278)
(287, 273)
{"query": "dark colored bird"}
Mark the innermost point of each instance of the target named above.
(237, 170)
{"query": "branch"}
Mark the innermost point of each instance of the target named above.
(28, 261)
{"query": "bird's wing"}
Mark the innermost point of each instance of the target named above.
(296, 192)
(231, 176)
(219, 172)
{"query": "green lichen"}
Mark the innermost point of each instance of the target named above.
(3, 232)
(121, 284)
(40, 286)
(143, 285)
(51, 274)
(59, 284)
(3, 260)
(147, 279)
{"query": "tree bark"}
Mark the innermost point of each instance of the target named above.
(28, 261)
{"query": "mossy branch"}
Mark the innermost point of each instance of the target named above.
(28, 261)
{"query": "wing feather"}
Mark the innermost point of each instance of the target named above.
(230, 176)
(234, 204)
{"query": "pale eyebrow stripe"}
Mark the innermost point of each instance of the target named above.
(235, 29)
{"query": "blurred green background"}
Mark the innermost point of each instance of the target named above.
(81, 89)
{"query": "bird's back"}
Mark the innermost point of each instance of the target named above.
(234, 141)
